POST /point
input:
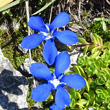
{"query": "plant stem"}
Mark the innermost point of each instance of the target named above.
(11, 5)
(29, 32)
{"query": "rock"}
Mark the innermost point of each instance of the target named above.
(13, 87)
(26, 64)
(22, 49)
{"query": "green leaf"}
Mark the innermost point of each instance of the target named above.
(4, 2)
(95, 55)
(102, 108)
(83, 41)
(107, 84)
(106, 45)
(94, 49)
(107, 99)
(82, 61)
(95, 38)
(72, 104)
(43, 8)
(100, 98)
(97, 19)
(104, 26)
(108, 106)
(107, 20)
(82, 102)
(72, 93)
(99, 63)
(76, 69)
(99, 90)
(88, 83)
(85, 50)
(78, 95)
(87, 96)
(98, 41)
(87, 86)
(79, 70)
(100, 81)
(11, 5)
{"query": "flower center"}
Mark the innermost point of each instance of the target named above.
(55, 82)
(48, 34)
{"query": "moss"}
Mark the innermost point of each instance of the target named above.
(9, 45)
(96, 27)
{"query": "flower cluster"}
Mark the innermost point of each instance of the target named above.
(56, 80)
(48, 33)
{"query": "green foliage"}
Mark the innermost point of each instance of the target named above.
(44, 7)
(10, 49)
(94, 47)
(11, 4)
(103, 20)
(95, 69)
(96, 27)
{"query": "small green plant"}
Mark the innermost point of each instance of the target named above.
(103, 22)
(94, 46)
(95, 69)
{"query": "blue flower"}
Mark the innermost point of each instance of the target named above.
(48, 33)
(54, 107)
(56, 80)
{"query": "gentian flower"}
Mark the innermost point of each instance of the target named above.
(48, 33)
(54, 107)
(56, 80)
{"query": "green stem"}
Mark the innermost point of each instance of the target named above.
(43, 8)
(11, 5)
(81, 45)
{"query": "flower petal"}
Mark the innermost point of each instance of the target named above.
(54, 107)
(40, 70)
(62, 62)
(60, 20)
(75, 81)
(66, 37)
(32, 41)
(36, 23)
(49, 51)
(41, 92)
(62, 98)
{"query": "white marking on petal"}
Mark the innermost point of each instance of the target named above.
(44, 33)
(55, 82)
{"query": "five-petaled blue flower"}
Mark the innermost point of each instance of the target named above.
(56, 80)
(48, 33)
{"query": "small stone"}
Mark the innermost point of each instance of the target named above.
(73, 58)
(22, 49)
(26, 64)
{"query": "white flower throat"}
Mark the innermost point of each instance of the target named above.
(48, 34)
(55, 82)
